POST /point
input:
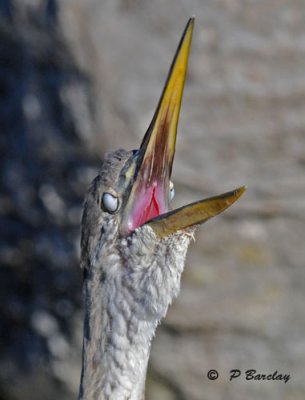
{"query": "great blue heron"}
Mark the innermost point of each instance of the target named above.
(134, 247)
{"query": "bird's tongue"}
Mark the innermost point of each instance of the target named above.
(150, 203)
(151, 211)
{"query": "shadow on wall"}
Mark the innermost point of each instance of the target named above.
(44, 174)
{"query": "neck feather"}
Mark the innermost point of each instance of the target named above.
(116, 349)
(126, 294)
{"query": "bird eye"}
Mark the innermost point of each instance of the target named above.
(171, 190)
(110, 202)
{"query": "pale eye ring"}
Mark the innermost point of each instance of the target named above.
(171, 190)
(110, 203)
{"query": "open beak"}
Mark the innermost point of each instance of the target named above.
(148, 200)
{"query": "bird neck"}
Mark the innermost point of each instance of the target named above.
(116, 347)
(126, 293)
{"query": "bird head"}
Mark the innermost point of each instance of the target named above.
(135, 189)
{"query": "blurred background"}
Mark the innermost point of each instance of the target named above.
(79, 78)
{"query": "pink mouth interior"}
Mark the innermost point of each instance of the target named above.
(149, 203)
